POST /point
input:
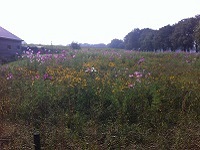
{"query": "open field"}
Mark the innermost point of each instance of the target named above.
(102, 99)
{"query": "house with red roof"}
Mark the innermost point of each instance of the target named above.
(10, 44)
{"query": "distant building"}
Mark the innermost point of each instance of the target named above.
(10, 44)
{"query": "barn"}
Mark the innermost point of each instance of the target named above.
(10, 44)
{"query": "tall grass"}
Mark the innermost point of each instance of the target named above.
(102, 99)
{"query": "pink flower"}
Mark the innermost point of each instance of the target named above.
(37, 76)
(141, 60)
(138, 74)
(87, 70)
(38, 53)
(131, 75)
(131, 85)
(188, 61)
(9, 76)
(138, 80)
(46, 77)
(148, 74)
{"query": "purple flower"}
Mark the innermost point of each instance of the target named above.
(46, 77)
(9, 76)
(188, 61)
(131, 75)
(138, 74)
(37, 76)
(131, 85)
(141, 60)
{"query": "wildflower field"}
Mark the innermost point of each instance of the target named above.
(101, 99)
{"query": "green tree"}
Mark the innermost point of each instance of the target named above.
(197, 37)
(146, 39)
(116, 43)
(75, 45)
(155, 41)
(183, 35)
(163, 37)
(131, 40)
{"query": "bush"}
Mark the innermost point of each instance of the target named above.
(75, 45)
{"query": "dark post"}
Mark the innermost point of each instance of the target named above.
(37, 141)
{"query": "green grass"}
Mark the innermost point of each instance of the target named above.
(103, 99)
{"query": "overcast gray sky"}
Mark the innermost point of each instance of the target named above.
(89, 21)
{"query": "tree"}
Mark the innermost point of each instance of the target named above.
(116, 43)
(146, 39)
(131, 40)
(197, 37)
(74, 45)
(197, 34)
(163, 38)
(183, 35)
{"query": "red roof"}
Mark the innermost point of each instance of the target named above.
(7, 35)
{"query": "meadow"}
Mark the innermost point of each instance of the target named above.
(101, 99)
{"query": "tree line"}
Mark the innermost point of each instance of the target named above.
(184, 35)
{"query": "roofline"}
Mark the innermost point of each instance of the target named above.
(11, 38)
(8, 35)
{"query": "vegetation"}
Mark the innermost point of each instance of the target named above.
(197, 36)
(102, 99)
(100, 45)
(74, 45)
(116, 43)
(183, 36)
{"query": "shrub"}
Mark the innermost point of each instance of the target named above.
(74, 45)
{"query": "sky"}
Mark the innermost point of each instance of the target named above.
(61, 22)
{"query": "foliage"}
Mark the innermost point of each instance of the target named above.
(100, 45)
(102, 99)
(180, 36)
(74, 45)
(183, 34)
(131, 40)
(162, 38)
(116, 43)
(146, 39)
(197, 35)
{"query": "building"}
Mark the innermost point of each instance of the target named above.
(10, 44)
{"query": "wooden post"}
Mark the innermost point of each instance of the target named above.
(4, 141)
(37, 141)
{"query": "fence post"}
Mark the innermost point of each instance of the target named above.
(37, 141)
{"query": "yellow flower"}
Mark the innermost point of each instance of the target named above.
(171, 77)
(97, 79)
(111, 64)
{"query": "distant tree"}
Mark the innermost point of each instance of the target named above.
(131, 40)
(197, 37)
(197, 34)
(74, 45)
(146, 39)
(163, 38)
(100, 45)
(142, 40)
(116, 43)
(183, 34)
(155, 41)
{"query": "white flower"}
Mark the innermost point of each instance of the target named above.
(93, 69)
